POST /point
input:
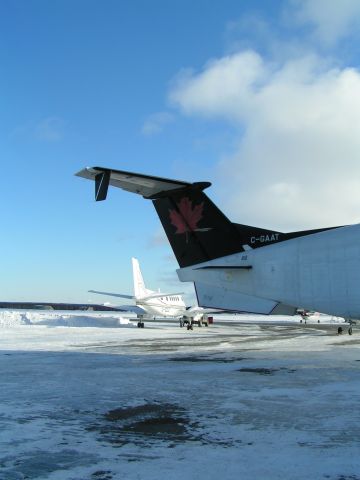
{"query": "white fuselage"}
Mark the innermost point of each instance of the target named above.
(317, 272)
(166, 306)
(169, 306)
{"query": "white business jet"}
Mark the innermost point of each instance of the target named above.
(150, 303)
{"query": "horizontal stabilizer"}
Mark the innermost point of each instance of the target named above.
(146, 185)
(120, 295)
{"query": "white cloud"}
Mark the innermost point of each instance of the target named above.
(50, 129)
(331, 19)
(156, 122)
(223, 86)
(297, 162)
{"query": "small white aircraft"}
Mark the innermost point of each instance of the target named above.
(156, 304)
(244, 268)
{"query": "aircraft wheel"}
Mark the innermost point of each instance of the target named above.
(139, 325)
(340, 330)
(350, 331)
(142, 325)
(206, 324)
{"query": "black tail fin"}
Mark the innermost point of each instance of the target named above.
(197, 230)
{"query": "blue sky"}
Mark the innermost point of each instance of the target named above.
(226, 91)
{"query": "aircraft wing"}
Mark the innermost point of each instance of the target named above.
(120, 295)
(133, 309)
(58, 306)
(124, 308)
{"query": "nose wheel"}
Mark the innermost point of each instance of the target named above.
(140, 323)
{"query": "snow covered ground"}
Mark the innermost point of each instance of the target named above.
(91, 397)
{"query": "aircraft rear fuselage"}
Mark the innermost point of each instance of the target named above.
(317, 272)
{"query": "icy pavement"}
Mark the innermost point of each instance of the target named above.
(224, 402)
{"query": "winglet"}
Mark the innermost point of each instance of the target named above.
(101, 185)
(146, 185)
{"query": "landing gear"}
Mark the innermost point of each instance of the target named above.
(141, 323)
(203, 321)
(189, 322)
(183, 321)
(351, 323)
(340, 330)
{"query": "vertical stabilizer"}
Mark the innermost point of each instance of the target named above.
(139, 285)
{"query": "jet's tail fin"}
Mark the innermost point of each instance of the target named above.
(197, 230)
(140, 290)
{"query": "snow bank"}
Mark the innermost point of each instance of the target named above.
(12, 318)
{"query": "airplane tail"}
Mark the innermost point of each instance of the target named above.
(196, 229)
(139, 285)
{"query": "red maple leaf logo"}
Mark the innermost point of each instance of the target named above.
(187, 217)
